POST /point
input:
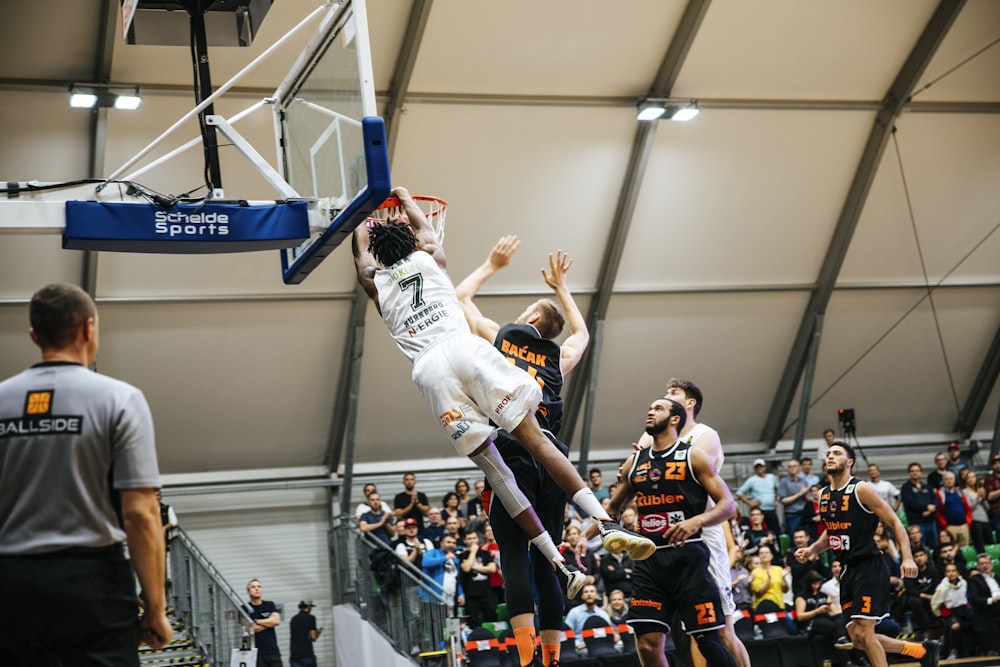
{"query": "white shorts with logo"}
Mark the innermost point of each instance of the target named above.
(468, 383)
(718, 565)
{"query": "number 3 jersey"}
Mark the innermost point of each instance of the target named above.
(418, 303)
(849, 524)
(667, 491)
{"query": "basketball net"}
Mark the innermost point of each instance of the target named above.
(435, 209)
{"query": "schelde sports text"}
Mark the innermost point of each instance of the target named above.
(191, 224)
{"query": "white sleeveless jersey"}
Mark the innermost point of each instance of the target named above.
(715, 539)
(418, 303)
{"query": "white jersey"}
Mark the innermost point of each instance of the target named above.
(715, 539)
(418, 303)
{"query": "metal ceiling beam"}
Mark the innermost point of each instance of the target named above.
(341, 443)
(989, 371)
(642, 146)
(894, 103)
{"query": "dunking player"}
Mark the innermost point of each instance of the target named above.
(673, 482)
(716, 538)
(851, 510)
(528, 343)
(466, 381)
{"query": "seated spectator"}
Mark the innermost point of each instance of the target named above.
(617, 607)
(887, 545)
(450, 508)
(377, 520)
(435, 529)
(616, 572)
(757, 534)
(767, 583)
(815, 613)
(630, 520)
(739, 575)
(954, 513)
(832, 586)
(578, 615)
(918, 592)
(984, 596)
(799, 570)
(948, 554)
(574, 550)
(979, 527)
(951, 603)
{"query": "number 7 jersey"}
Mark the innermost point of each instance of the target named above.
(418, 303)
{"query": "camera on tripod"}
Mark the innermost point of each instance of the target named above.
(847, 423)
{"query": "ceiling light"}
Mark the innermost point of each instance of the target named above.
(90, 95)
(679, 110)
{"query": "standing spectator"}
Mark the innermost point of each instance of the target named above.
(441, 566)
(450, 508)
(936, 477)
(954, 513)
(616, 573)
(918, 592)
(829, 437)
(303, 633)
(266, 618)
(991, 483)
(884, 488)
(363, 507)
(452, 528)
(411, 503)
(60, 535)
(956, 463)
(474, 508)
(761, 491)
(168, 517)
(951, 603)
(979, 526)
(491, 545)
(409, 545)
(462, 489)
(757, 535)
(984, 596)
(815, 523)
(920, 505)
(807, 473)
(595, 484)
(793, 489)
(435, 527)
(477, 565)
(916, 538)
(377, 521)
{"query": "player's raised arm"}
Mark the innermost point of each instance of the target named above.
(576, 343)
(466, 290)
(623, 491)
(426, 238)
(364, 262)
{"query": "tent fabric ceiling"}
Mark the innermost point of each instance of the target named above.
(699, 247)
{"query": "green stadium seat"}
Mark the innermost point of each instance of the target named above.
(902, 517)
(993, 550)
(784, 543)
(969, 553)
(502, 613)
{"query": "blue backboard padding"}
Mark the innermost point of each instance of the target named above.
(184, 228)
(379, 185)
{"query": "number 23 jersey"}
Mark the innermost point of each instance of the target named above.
(667, 491)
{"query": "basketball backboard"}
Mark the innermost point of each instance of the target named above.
(331, 142)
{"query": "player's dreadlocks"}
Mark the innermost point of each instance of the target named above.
(390, 242)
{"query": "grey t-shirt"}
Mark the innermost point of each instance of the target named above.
(67, 435)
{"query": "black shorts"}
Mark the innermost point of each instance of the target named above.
(864, 589)
(675, 580)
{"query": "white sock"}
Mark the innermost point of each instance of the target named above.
(588, 502)
(547, 547)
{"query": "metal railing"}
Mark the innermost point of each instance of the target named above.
(409, 612)
(212, 609)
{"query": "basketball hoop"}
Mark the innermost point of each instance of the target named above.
(435, 209)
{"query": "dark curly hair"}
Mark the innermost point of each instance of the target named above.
(390, 242)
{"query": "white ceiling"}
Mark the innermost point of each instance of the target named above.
(522, 115)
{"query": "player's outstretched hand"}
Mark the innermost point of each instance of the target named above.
(503, 251)
(559, 265)
(400, 192)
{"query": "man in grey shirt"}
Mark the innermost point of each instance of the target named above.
(78, 478)
(792, 489)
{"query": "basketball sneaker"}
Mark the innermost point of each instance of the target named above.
(570, 577)
(930, 658)
(617, 539)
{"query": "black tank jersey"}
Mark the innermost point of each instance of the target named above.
(522, 344)
(850, 525)
(667, 491)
